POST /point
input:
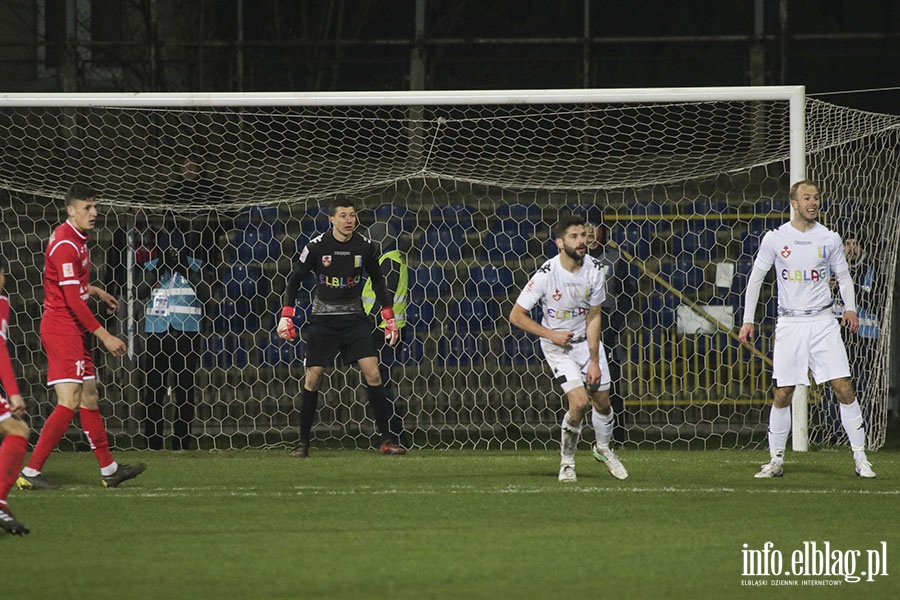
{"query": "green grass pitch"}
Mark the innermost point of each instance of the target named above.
(452, 524)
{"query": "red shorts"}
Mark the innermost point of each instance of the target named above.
(68, 359)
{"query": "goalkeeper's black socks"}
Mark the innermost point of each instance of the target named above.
(381, 407)
(309, 403)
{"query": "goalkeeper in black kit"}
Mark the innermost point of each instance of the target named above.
(338, 324)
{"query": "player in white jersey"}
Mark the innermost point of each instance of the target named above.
(570, 289)
(807, 336)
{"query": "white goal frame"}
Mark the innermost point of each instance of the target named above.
(795, 95)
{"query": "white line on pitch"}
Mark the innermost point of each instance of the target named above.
(188, 492)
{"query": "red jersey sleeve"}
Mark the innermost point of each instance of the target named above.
(64, 258)
(7, 375)
(80, 308)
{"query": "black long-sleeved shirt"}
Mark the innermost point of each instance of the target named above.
(338, 267)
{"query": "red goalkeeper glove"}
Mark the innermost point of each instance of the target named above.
(391, 331)
(286, 329)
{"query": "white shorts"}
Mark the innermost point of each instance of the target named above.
(569, 364)
(808, 344)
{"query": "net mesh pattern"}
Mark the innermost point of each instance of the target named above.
(683, 192)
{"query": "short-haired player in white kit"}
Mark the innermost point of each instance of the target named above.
(570, 288)
(807, 336)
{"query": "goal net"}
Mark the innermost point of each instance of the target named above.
(682, 185)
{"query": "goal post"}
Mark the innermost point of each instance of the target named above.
(684, 181)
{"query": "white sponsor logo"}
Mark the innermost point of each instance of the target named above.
(68, 270)
(813, 563)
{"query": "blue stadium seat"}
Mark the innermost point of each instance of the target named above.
(236, 315)
(460, 350)
(753, 236)
(253, 216)
(658, 310)
(697, 242)
(314, 221)
(276, 352)
(520, 349)
(519, 219)
(302, 312)
(225, 351)
(428, 282)
(772, 205)
(256, 243)
(213, 347)
(550, 249)
(453, 214)
(520, 212)
(657, 345)
(707, 206)
(592, 213)
(682, 273)
(635, 238)
(503, 245)
(411, 353)
(245, 281)
(490, 281)
(474, 315)
(401, 219)
(742, 269)
(420, 315)
(442, 242)
(645, 208)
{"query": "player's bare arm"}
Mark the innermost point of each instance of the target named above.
(519, 317)
(593, 329)
(112, 303)
(113, 345)
(17, 405)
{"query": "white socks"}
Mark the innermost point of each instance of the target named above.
(779, 428)
(603, 427)
(851, 419)
(570, 435)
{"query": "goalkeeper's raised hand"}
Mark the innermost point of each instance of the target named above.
(286, 329)
(391, 331)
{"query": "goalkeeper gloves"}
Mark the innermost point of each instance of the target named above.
(286, 329)
(391, 331)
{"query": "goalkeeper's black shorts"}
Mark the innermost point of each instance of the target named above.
(328, 336)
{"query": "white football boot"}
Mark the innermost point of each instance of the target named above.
(612, 462)
(773, 468)
(567, 473)
(864, 469)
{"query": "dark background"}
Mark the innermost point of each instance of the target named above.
(309, 45)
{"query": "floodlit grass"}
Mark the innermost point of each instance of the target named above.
(456, 524)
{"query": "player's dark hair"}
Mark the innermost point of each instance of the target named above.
(79, 191)
(566, 222)
(341, 200)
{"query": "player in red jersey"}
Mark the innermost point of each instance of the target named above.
(70, 369)
(13, 430)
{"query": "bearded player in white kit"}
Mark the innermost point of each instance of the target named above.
(807, 336)
(570, 289)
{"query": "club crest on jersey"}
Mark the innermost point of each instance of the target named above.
(823, 251)
(357, 260)
(557, 295)
(68, 270)
(326, 260)
(785, 252)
